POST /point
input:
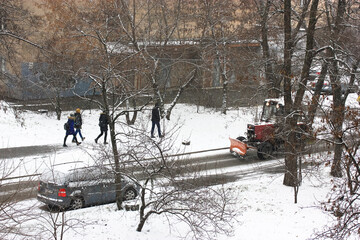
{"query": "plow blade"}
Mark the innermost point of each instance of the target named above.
(238, 147)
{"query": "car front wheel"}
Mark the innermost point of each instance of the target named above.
(129, 194)
(77, 203)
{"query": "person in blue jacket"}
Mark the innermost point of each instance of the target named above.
(70, 130)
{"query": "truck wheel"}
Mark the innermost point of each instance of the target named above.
(265, 150)
(241, 138)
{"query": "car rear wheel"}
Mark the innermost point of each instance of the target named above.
(129, 194)
(77, 203)
(265, 150)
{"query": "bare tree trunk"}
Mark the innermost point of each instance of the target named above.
(142, 215)
(132, 120)
(292, 143)
(290, 158)
(315, 98)
(127, 114)
(274, 89)
(117, 165)
(114, 146)
(141, 225)
(337, 120)
(309, 55)
(58, 107)
(225, 96)
(338, 102)
(291, 167)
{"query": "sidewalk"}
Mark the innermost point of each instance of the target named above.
(16, 152)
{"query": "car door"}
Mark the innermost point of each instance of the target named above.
(89, 183)
(108, 186)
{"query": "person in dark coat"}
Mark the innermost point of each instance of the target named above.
(70, 130)
(78, 124)
(155, 119)
(103, 124)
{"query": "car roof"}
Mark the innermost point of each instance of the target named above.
(59, 173)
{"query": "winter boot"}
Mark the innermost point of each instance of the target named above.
(96, 140)
(78, 143)
(83, 138)
(64, 145)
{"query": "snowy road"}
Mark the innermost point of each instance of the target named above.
(219, 163)
(220, 166)
(17, 152)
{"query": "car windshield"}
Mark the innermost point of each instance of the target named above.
(270, 110)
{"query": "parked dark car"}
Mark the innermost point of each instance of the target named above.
(76, 188)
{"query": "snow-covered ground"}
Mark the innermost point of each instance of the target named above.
(265, 207)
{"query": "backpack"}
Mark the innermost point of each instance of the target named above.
(66, 126)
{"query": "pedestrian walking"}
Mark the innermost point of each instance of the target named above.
(103, 124)
(155, 119)
(70, 129)
(78, 124)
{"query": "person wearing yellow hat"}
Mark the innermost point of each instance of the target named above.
(78, 124)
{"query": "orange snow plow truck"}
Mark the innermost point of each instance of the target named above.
(263, 136)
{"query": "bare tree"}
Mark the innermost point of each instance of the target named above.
(268, 12)
(335, 47)
(317, 93)
(52, 80)
(13, 213)
(160, 21)
(55, 222)
(17, 25)
(293, 104)
(343, 201)
(339, 67)
(7, 203)
(218, 31)
(337, 52)
(174, 187)
(98, 57)
(113, 55)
